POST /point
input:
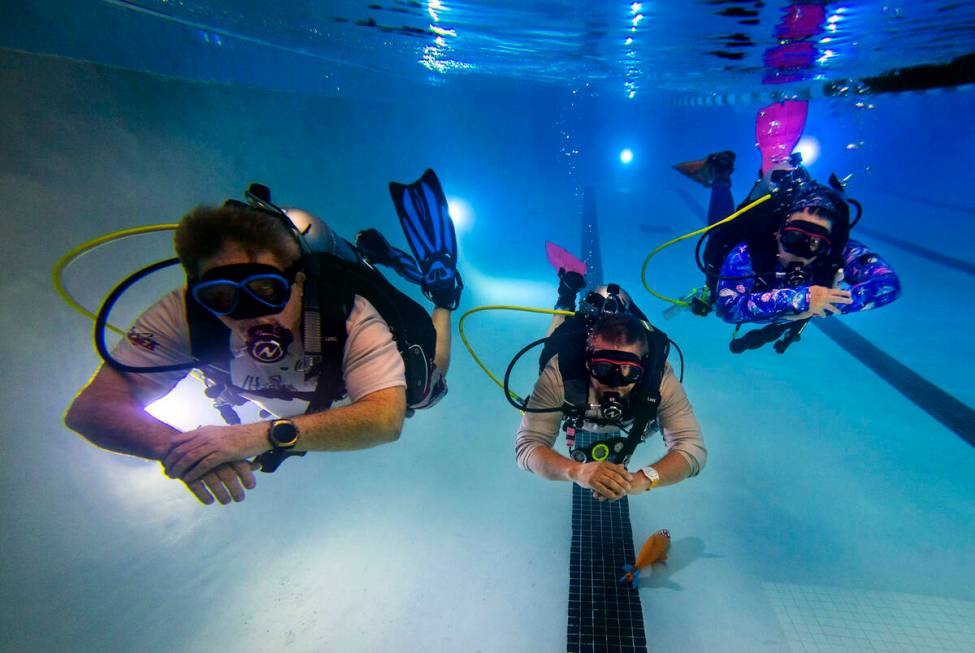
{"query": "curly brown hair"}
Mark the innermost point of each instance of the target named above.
(205, 231)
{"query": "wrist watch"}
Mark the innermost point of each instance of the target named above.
(652, 474)
(283, 434)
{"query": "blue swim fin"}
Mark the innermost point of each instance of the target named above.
(423, 213)
(377, 250)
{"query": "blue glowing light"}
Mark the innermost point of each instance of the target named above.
(626, 156)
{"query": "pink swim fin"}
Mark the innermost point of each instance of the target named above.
(559, 258)
(778, 128)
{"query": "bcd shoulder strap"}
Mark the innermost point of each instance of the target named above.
(763, 256)
(648, 400)
(336, 296)
(410, 324)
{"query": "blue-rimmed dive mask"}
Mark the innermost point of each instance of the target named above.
(244, 290)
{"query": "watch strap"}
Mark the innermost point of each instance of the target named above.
(652, 475)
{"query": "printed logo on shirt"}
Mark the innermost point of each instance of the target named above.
(266, 350)
(144, 339)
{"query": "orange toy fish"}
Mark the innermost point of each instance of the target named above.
(654, 550)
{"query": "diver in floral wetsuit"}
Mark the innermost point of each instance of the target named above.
(805, 265)
(808, 268)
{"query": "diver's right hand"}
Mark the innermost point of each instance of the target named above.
(823, 300)
(225, 482)
(610, 480)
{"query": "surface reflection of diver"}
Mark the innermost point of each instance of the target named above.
(611, 364)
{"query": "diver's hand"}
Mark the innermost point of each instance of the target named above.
(605, 479)
(195, 453)
(225, 483)
(823, 300)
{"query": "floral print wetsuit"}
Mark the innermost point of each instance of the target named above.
(871, 281)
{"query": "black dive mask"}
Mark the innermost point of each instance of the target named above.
(615, 368)
(805, 239)
(244, 290)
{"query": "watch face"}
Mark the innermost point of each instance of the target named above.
(284, 434)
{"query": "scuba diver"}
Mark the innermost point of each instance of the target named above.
(790, 259)
(279, 310)
(603, 372)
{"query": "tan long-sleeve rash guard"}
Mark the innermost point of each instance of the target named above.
(681, 431)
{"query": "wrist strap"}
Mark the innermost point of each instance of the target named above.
(653, 481)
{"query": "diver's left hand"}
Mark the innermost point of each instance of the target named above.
(195, 453)
(602, 497)
(639, 487)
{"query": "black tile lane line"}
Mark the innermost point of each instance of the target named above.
(925, 201)
(948, 410)
(604, 615)
(937, 257)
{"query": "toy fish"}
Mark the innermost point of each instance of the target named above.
(654, 550)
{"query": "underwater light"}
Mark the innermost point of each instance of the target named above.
(461, 214)
(626, 156)
(185, 407)
(808, 147)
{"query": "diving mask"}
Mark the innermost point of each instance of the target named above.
(244, 290)
(805, 239)
(615, 368)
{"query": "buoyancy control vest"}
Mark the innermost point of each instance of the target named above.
(568, 342)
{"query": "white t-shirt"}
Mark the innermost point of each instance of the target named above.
(370, 359)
